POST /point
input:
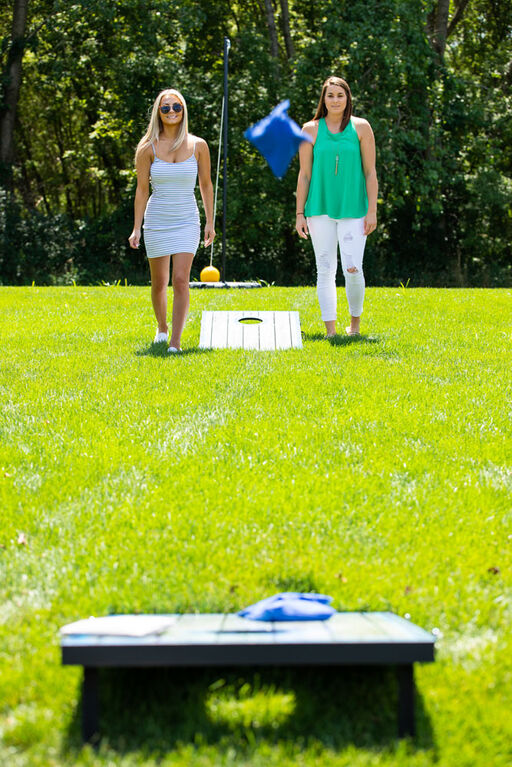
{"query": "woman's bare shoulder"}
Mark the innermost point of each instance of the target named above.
(361, 122)
(363, 128)
(311, 128)
(146, 152)
(145, 155)
(198, 141)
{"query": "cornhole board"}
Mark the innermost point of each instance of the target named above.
(351, 638)
(250, 330)
(224, 285)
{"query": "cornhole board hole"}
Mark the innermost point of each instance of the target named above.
(250, 330)
(345, 639)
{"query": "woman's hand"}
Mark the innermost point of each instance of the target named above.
(301, 226)
(370, 223)
(134, 238)
(209, 234)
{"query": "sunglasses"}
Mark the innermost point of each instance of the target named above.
(175, 108)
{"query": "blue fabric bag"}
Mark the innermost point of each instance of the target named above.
(277, 137)
(290, 606)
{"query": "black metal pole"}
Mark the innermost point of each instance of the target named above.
(227, 46)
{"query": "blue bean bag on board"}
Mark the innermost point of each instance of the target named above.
(290, 606)
(277, 137)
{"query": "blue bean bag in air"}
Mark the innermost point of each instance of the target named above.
(277, 137)
(290, 606)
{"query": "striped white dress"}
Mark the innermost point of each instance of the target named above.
(171, 219)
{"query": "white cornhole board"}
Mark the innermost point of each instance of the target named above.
(276, 330)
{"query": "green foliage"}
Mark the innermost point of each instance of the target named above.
(442, 128)
(57, 250)
(36, 247)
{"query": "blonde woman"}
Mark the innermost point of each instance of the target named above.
(172, 159)
(337, 198)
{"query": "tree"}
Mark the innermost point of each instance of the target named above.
(11, 83)
(272, 31)
(440, 26)
(285, 24)
(432, 78)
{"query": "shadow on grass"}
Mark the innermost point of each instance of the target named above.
(158, 710)
(160, 350)
(341, 339)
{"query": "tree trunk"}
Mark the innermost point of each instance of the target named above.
(457, 16)
(285, 23)
(65, 176)
(441, 26)
(11, 89)
(438, 27)
(271, 24)
(27, 192)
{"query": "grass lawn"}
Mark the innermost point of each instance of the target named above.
(377, 470)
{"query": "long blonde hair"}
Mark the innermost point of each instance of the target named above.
(321, 110)
(155, 126)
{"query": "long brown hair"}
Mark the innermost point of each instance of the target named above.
(321, 110)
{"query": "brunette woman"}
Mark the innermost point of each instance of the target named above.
(337, 198)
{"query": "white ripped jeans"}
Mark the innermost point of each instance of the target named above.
(326, 233)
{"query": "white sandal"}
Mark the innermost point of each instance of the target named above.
(160, 337)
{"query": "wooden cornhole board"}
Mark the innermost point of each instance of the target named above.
(216, 639)
(230, 330)
(227, 285)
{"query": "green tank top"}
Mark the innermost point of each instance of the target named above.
(338, 186)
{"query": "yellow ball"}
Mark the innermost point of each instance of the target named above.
(210, 274)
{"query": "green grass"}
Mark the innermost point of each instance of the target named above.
(376, 470)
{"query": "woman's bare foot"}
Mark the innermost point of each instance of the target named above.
(354, 327)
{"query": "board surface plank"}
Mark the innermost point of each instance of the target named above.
(205, 336)
(283, 330)
(352, 627)
(219, 330)
(234, 623)
(301, 632)
(267, 330)
(396, 628)
(374, 627)
(235, 330)
(251, 332)
(296, 335)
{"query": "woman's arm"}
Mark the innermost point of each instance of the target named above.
(142, 167)
(303, 181)
(206, 188)
(367, 143)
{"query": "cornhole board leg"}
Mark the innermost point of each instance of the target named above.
(90, 704)
(405, 676)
